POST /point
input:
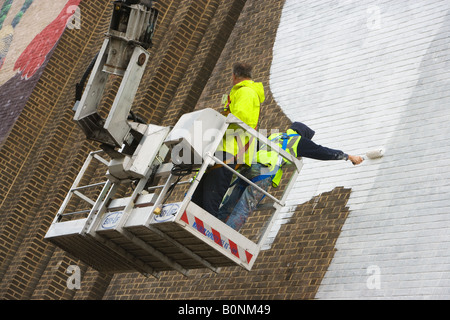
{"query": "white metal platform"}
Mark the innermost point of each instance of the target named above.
(118, 235)
(175, 240)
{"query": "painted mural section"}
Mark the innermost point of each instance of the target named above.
(29, 31)
(366, 74)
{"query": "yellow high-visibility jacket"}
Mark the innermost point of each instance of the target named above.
(244, 102)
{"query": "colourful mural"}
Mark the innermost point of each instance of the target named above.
(18, 20)
(34, 55)
(29, 31)
(7, 33)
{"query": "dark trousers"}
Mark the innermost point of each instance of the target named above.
(212, 188)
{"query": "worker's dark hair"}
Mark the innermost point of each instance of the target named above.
(242, 70)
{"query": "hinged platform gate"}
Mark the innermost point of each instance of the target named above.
(118, 235)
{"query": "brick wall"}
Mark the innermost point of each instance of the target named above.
(323, 63)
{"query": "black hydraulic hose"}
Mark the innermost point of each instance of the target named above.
(80, 86)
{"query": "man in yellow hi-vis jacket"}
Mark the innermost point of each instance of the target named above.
(237, 148)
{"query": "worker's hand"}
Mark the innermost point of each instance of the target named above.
(355, 159)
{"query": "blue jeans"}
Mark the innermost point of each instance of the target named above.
(243, 199)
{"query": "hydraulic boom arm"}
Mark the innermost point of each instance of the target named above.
(124, 53)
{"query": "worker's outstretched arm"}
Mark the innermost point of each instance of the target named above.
(309, 149)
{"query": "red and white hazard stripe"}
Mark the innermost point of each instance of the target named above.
(219, 238)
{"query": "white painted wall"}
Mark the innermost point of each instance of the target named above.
(365, 74)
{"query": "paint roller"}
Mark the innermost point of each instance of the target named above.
(374, 154)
